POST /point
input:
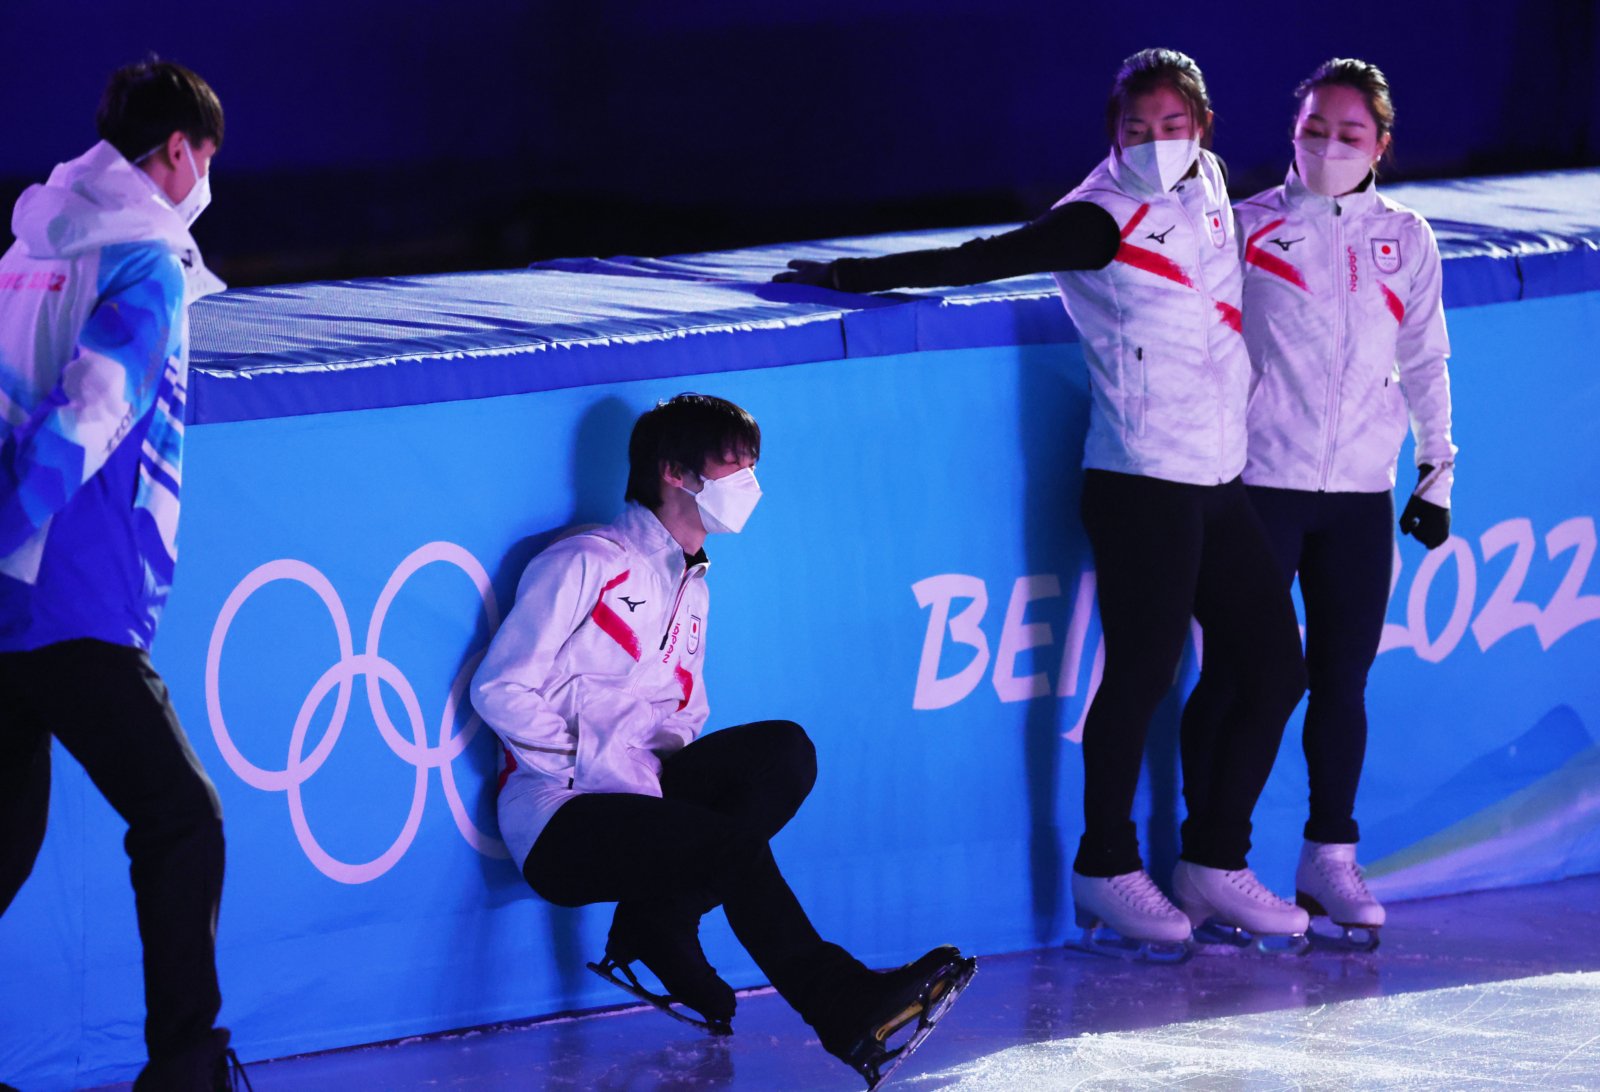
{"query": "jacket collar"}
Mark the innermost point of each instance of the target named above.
(1302, 199)
(646, 534)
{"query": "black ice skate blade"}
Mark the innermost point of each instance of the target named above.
(1102, 940)
(607, 969)
(875, 1059)
(1220, 934)
(1359, 939)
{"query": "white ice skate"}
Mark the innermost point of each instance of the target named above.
(1129, 917)
(1328, 884)
(1234, 908)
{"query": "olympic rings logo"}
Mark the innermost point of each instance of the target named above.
(300, 767)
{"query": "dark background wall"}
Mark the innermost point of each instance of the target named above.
(368, 138)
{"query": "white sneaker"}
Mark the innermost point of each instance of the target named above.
(1328, 882)
(1131, 905)
(1235, 899)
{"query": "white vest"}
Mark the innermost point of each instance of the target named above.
(1160, 328)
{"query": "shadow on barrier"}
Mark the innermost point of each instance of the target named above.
(598, 475)
(1053, 395)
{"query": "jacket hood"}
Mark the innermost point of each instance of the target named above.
(96, 200)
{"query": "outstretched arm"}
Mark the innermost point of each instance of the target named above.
(1076, 235)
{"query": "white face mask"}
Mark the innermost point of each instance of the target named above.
(1330, 167)
(726, 503)
(1160, 164)
(199, 196)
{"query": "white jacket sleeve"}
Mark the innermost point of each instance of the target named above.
(1423, 349)
(509, 689)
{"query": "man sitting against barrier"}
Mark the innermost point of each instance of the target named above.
(610, 793)
(94, 350)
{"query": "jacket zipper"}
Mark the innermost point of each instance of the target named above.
(677, 601)
(1341, 282)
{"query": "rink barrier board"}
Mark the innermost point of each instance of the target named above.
(297, 349)
(369, 470)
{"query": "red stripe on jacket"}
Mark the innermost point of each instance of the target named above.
(1271, 263)
(507, 769)
(1396, 308)
(611, 622)
(686, 681)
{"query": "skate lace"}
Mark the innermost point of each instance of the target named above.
(1347, 874)
(1137, 889)
(1244, 881)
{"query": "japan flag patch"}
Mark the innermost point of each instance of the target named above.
(1217, 226)
(694, 634)
(1386, 255)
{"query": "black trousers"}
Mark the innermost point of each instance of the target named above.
(110, 709)
(1342, 547)
(1165, 552)
(701, 844)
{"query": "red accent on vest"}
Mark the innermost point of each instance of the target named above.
(1148, 260)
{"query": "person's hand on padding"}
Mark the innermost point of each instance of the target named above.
(1425, 521)
(806, 271)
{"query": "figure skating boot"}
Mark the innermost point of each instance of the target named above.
(1234, 908)
(671, 950)
(1129, 917)
(1328, 884)
(859, 1032)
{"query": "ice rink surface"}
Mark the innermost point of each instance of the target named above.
(1497, 989)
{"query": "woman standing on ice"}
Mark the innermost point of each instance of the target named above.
(1343, 318)
(1144, 253)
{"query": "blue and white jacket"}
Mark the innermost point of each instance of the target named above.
(93, 366)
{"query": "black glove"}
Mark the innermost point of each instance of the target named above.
(805, 271)
(1423, 520)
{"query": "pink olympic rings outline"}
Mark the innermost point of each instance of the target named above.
(299, 768)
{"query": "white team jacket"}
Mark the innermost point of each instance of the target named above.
(1160, 327)
(595, 674)
(1345, 324)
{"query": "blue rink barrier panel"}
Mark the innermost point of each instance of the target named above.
(370, 466)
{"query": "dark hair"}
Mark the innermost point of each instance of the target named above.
(685, 432)
(1361, 76)
(146, 102)
(1149, 69)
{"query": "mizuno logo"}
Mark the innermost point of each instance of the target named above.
(1285, 244)
(632, 606)
(1162, 238)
